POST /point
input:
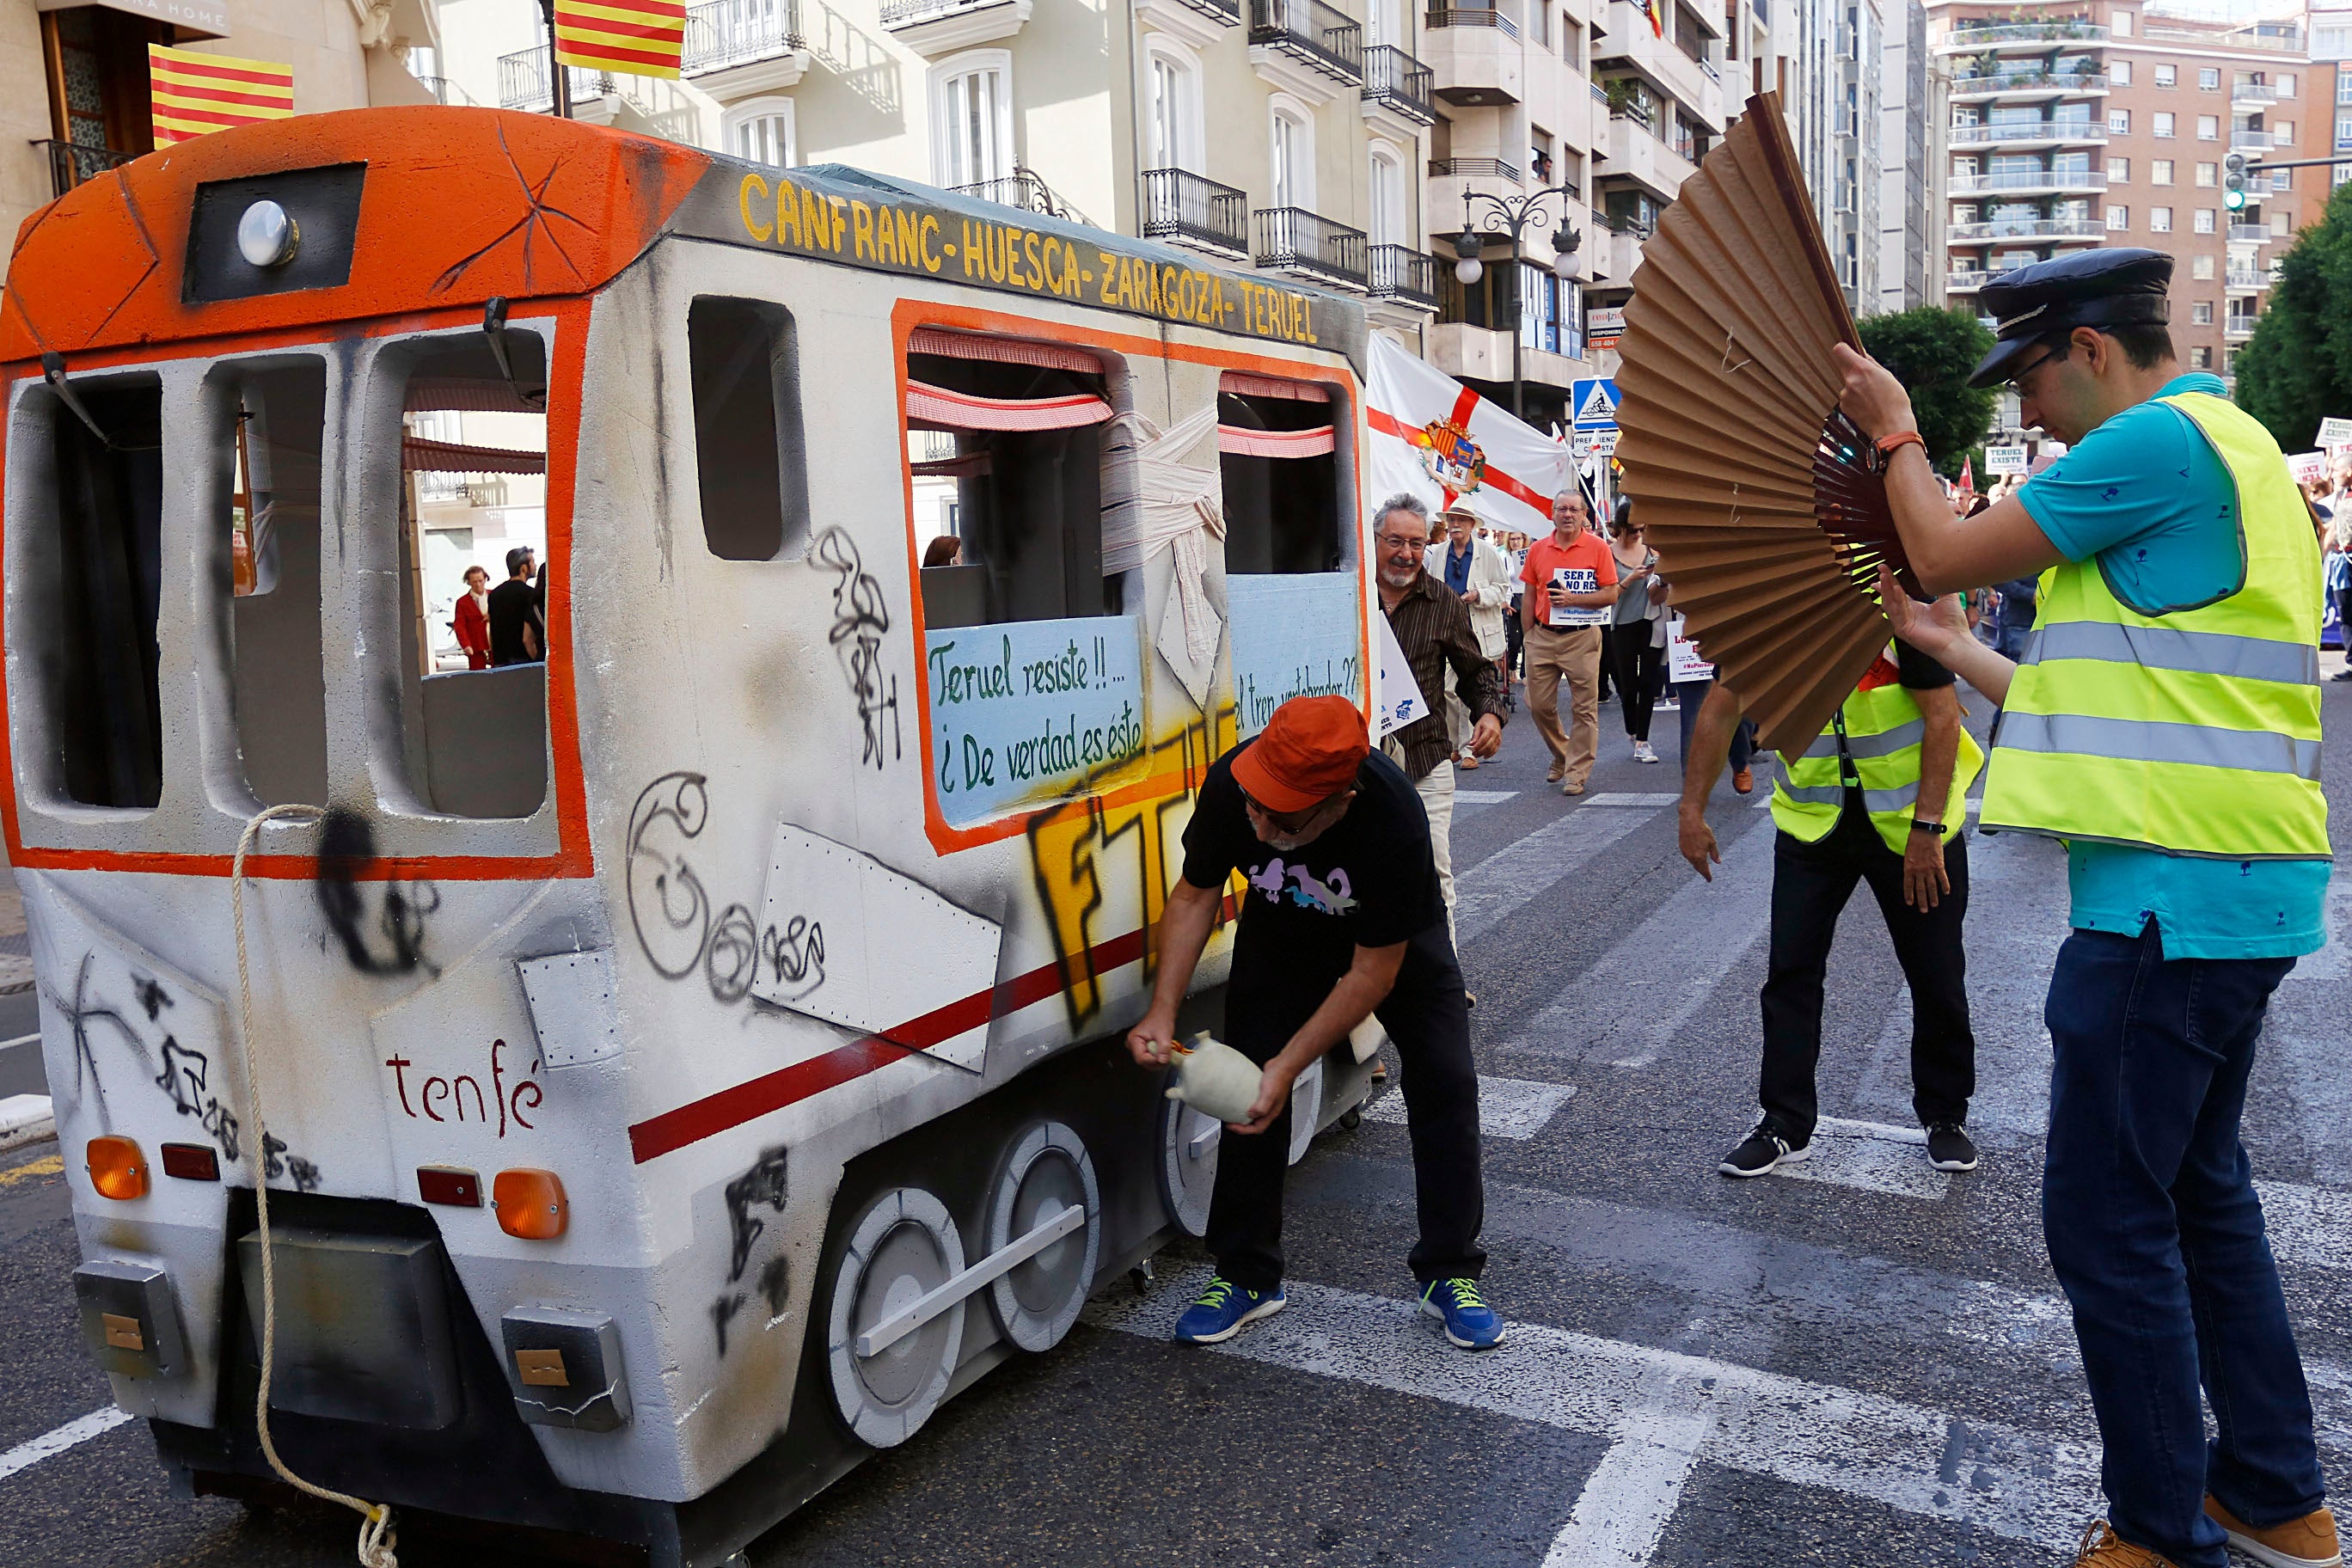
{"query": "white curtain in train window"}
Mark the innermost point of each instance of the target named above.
(1154, 500)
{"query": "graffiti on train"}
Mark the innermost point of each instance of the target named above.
(505, 1105)
(679, 929)
(860, 620)
(379, 925)
(1070, 855)
(762, 1186)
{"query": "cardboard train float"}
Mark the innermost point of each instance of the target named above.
(687, 1061)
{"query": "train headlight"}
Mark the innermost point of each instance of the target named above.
(266, 234)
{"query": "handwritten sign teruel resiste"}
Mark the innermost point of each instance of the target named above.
(1031, 712)
(869, 225)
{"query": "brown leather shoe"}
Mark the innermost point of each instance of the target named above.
(2307, 1543)
(2101, 1547)
(1744, 780)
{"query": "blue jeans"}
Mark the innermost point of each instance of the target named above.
(2149, 1207)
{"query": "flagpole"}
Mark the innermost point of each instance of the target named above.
(559, 79)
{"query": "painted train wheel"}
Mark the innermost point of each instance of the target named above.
(1037, 1300)
(1188, 1164)
(906, 1247)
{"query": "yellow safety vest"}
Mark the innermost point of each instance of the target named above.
(1881, 729)
(2194, 732)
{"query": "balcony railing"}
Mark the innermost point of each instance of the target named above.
(1320, 36)
(2237, 328)
(522, 81)
(2253, 93)
(1022, 189)
(1296, 240)
(1975, 84)
(2027, 32)
(1477, 17)
(2033, 130)
(2256, 141)
(2244, 279)
(1968, 281)
(1226, 13)
(2031, 180)
(737, 32)
(1180, 206)
(1399, 272)
(2251, 233)
(1394, 78)
(905, 13)
(1475, 169)
(70, 162)
(2025, 228)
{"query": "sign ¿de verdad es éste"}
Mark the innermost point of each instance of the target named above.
(2004, 460)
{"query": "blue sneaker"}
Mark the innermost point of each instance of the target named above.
(1222, 1310)
(1469, 1321)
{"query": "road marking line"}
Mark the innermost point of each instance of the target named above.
(46, 1165)
(1651, 801)
(20, 1040)
(2019, 1485)
(1511, 878)
(2309, 1225)
(1871, 1156)
(1508, 1107)
(24, 1455)
(1483, 797)
(1632, 1494)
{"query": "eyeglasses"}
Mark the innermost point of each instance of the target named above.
(1287, 821)
(2017, 383)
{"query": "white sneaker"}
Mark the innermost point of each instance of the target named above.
(1643, 753)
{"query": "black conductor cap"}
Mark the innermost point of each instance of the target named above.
(2104, 287)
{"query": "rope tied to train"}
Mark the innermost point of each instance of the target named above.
(376, 1533)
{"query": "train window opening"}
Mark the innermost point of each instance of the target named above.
(109, 580)
(272, 445)
(1005, 446)
(1278, 456)
(473, 500)
(750, 452)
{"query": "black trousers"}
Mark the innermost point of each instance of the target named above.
(1810, 885)
(1428, 1018)
(1641, 675)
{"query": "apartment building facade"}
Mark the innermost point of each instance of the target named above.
(74, 101)
(2082, 124)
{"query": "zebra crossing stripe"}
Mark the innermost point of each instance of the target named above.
(2003, 1480)
(1508, 1107)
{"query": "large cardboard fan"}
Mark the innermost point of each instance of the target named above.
(1767, 505)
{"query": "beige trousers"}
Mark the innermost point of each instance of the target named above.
(1572, 653)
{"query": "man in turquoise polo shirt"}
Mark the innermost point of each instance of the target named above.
(2164, 722)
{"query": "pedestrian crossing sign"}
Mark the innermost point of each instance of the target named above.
(1595, 402)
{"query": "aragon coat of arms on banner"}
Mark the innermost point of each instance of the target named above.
(1451, 457)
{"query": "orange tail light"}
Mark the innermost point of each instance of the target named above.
(530, 1204)
(116, 1168)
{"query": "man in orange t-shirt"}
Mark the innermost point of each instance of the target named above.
(1571, 581)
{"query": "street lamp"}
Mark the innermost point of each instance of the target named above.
(1514, 215)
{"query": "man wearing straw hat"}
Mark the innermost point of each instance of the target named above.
(1340, 920)
(2164, 722)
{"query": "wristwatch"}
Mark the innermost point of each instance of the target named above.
(1919, 827)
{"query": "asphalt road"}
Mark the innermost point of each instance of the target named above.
(1868, 1366)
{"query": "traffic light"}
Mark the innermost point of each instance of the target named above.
(2234, 182)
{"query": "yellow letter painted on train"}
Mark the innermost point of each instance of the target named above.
(758, 231)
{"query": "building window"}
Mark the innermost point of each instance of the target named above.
(971, 115)
(2159, 220)
(1387, 208)
(2119, 72)
(2120, 23)
(2163, 126)
(2166, 76)
(2119, 122)
(2119, 171)
(2284, 83)
(761, 131)
(2160, 170)
(2205, 175)
(1292, 146)
(2201, 268)
(1176, 117)
(2118, 217)
(2200, 313)
(2344, 130)
(2209, 128)
(2210, 77)
(2281, 132)
(2344, 75)
(2200, 358)
(2205, 220)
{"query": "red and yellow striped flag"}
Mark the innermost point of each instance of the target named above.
(199, 92)
(643, 38)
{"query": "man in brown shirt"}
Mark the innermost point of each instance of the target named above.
(1432, 627)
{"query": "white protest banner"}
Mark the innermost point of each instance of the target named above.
(1578, 579)
(1682, 660)
(2334, 433)
(2306, 467)
(2004, 460)
(1396, 692)
(1436, 438)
